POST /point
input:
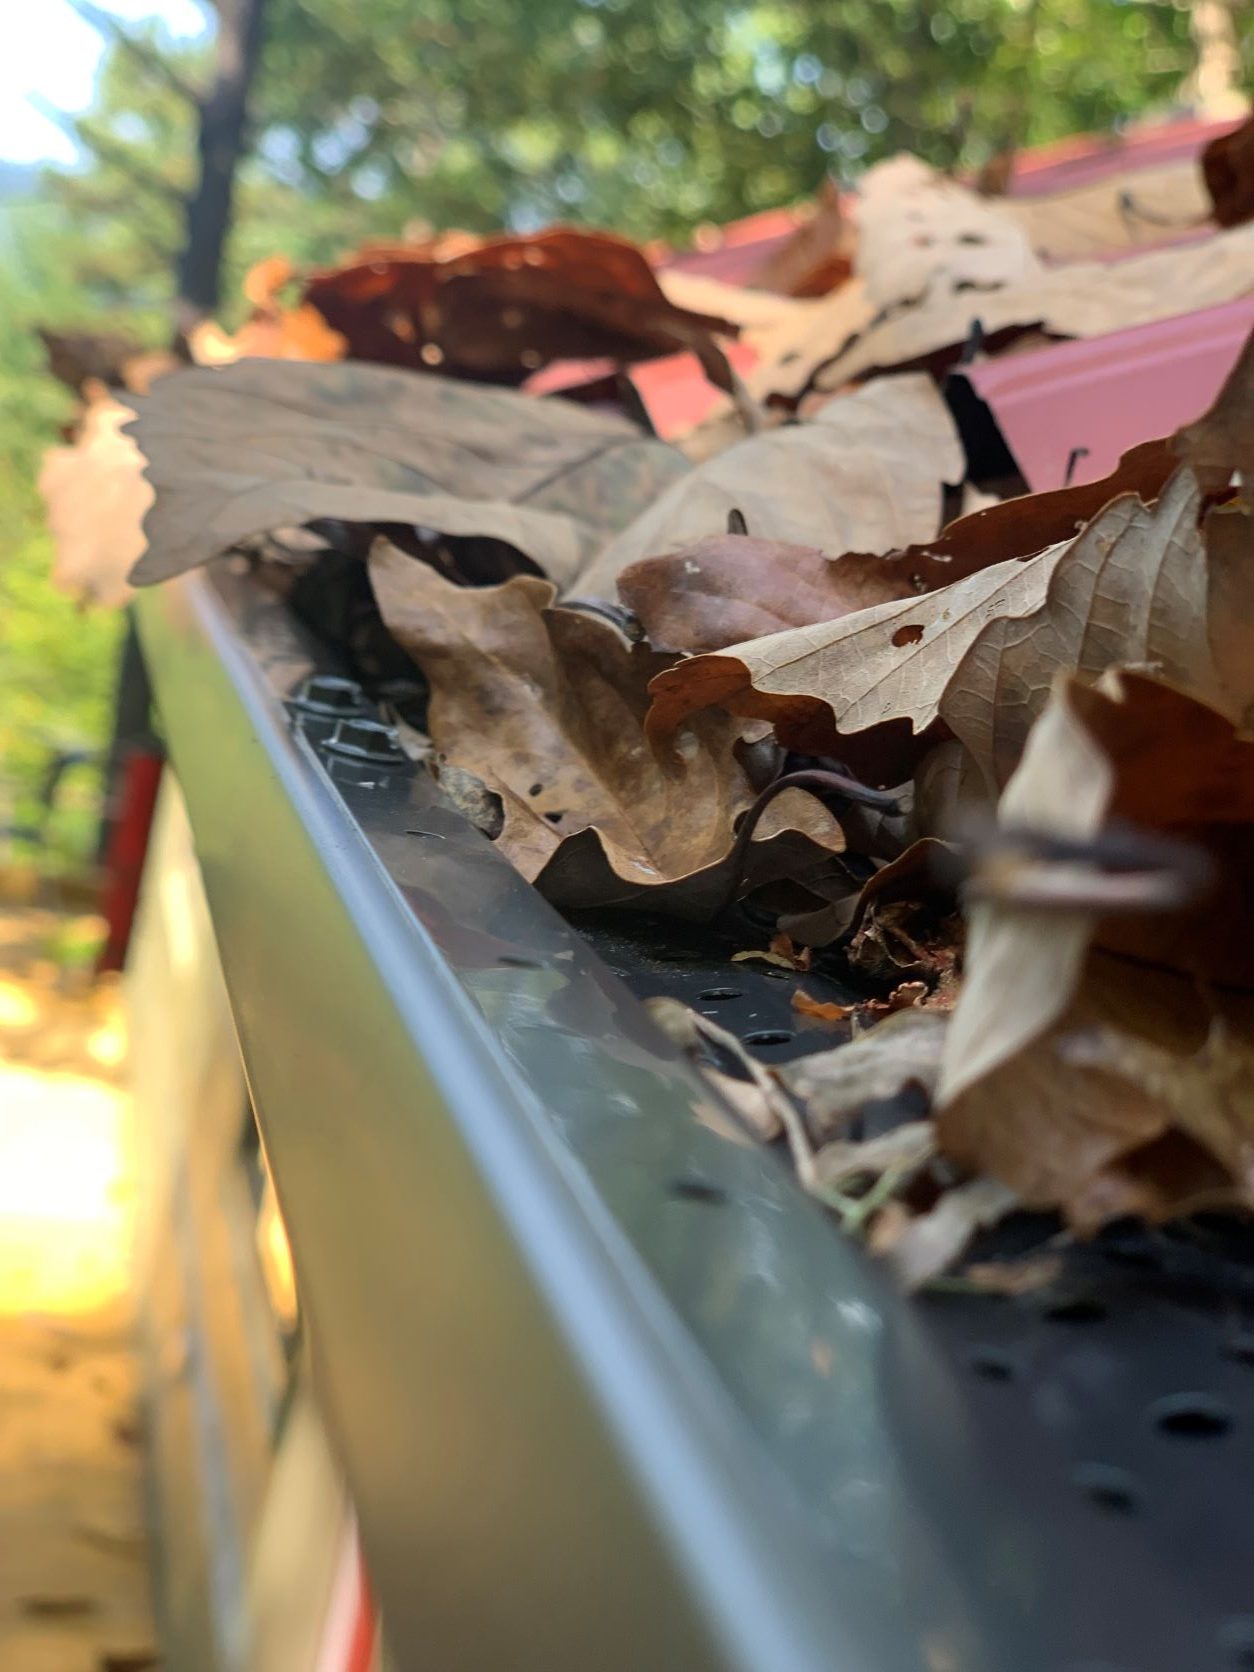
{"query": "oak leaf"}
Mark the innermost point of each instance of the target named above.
(501, 308)
(1099, 1083)
(732, 587)
(96, 497)
(978, 657)
(546, 706)
(729, 587)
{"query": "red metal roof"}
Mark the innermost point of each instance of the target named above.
(1105, 394)
(734, 253)
(1173, 366)
(675, 392)
(1082, 159)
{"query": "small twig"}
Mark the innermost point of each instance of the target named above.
(812, 778)
(1119, 870)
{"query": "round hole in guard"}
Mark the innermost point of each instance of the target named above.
(769, 1036)
(1077, 1310)
(992, 1364)
(1236, 1641)
(1129, 1254)
(1108, 1487)
(1239, 1347)
(1191, 1416)
(698, 1190)
(712, 993)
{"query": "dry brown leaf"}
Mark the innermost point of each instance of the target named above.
(836, 688)
(916, 226)
(546, 706)
(501, 308)
(238, 451)
(799, 956)
(753, 1094)
(865, 475)
(979, 655)
(730, 587)
(928, 1244)
(790, 347)
(1118, 212)
(822, 1010)
(81, 359)
(1026, 524)
(776, 960)
(1083, 299)
(1013, 1277)
(96, 497)
(1092, 1082)
(817, 256)
(904, 929)
(834, 1086)
(1228, 171)
(949, 790)
(902, 1152)
(1221, 441)
(298, 333)
(752, 311)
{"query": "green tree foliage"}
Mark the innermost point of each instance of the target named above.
(654, 115)
(371, 116)
(56, 663)
(651, 116)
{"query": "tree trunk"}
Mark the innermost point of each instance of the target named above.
(223, 117)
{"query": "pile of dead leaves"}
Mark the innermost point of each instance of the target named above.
(785, 676)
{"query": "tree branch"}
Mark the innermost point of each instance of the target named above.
(110, 151)
(221, 144)
(141, 51)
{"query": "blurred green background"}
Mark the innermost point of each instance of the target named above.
(372, 118)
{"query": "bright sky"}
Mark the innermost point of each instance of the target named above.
(55, 54)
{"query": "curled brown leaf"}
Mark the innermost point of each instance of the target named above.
(545, 706)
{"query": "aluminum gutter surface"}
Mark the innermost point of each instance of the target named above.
(591, 1421)
(546, 1472)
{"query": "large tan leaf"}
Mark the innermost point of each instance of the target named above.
(546, 706)
(96, 497)
(916, 225)
(732, 587)
(754, 311)
(1097, 1083)
(822, 686)
(1084, 299)
(1119, 212)
(865, 475)
(980, 655)
(790, 346)
(237, 451)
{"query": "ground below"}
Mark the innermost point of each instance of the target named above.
(74, 1575)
